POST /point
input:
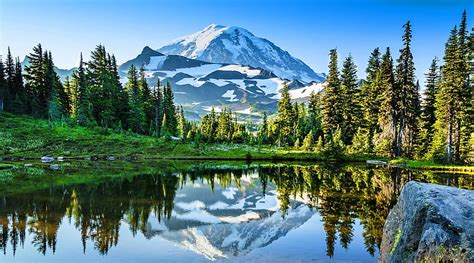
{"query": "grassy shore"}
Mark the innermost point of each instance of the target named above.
(28, 138)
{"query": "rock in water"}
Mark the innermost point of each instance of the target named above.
(47, 159)
(430, 223)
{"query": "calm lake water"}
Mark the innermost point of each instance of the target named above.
(199, 212)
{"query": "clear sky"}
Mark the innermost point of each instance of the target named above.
(307, 29)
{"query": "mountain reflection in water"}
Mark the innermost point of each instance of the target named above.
(217, 212)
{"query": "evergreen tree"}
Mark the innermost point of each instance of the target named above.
(10, 73)
(3, 86)
(314, 115)
(308, 142)
(428, 117)
(350, 108)
(147, 98)
(331, 100)
(464, 126)
(370, 99)
(83, 105)
(408, 103)
(169, 109)
(389, 114)
(182, 125)
(137, 113)
(158, 111)
(19, 93)
(449, 103)
(285, 118)
(263, 132)
(39, 82)
(101, 87)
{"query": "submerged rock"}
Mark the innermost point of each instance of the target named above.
(430, 223)
(54, 166)
(376, 162)
(47, 159)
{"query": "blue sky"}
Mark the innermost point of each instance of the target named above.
(307, 29)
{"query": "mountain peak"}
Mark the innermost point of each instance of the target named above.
(236, 45)
(147, 51)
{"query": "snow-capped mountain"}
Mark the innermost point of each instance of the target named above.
(235, 45)
(227, 222)
(200, 86)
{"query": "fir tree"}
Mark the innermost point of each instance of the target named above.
(331, 101)
(285, 118)
(308, 142)
(428, 117)
(263, 132)
(408, 105)
(314, 115)
(137, 113)
(83, 105)
(3, 86)
(449, 103)
(182, 125)
(389, 114)
(370, 99)
(169, 109)
(19, 93)
(10, 74)
(350, 107)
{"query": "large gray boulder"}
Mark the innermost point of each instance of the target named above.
(430, 223)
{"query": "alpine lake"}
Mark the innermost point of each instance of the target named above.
(188, 211)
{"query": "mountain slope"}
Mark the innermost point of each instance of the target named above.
(200, 86)
(235, 45)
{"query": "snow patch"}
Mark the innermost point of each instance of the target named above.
(230, 192)
(230, 95)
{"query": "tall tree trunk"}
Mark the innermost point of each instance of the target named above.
(450, 142)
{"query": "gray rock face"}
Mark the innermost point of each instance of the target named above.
(430, 223)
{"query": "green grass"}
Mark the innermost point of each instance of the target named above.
(29, 138)
(430, 165)
(25, 137)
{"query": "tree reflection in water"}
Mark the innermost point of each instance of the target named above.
(341, 194)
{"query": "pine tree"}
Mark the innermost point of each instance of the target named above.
(314, 115)
(10, 74)
(83, 105)
(360, 142)
(285, 118)
(19, 93)
(308, 142)
(371, 96)
(449, 100)
(409, 99)
(3, 86)
(147, 98)
(102, 87)
(331, 101)
(182, 125)
(428, 117)
(158, 111)
(350, 108)
(263, 132)
(137, 113)
(39, 82)
(464, 126)
(169, 109)
(389, 114)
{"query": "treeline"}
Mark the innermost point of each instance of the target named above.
(93, 96)
(386, 114)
